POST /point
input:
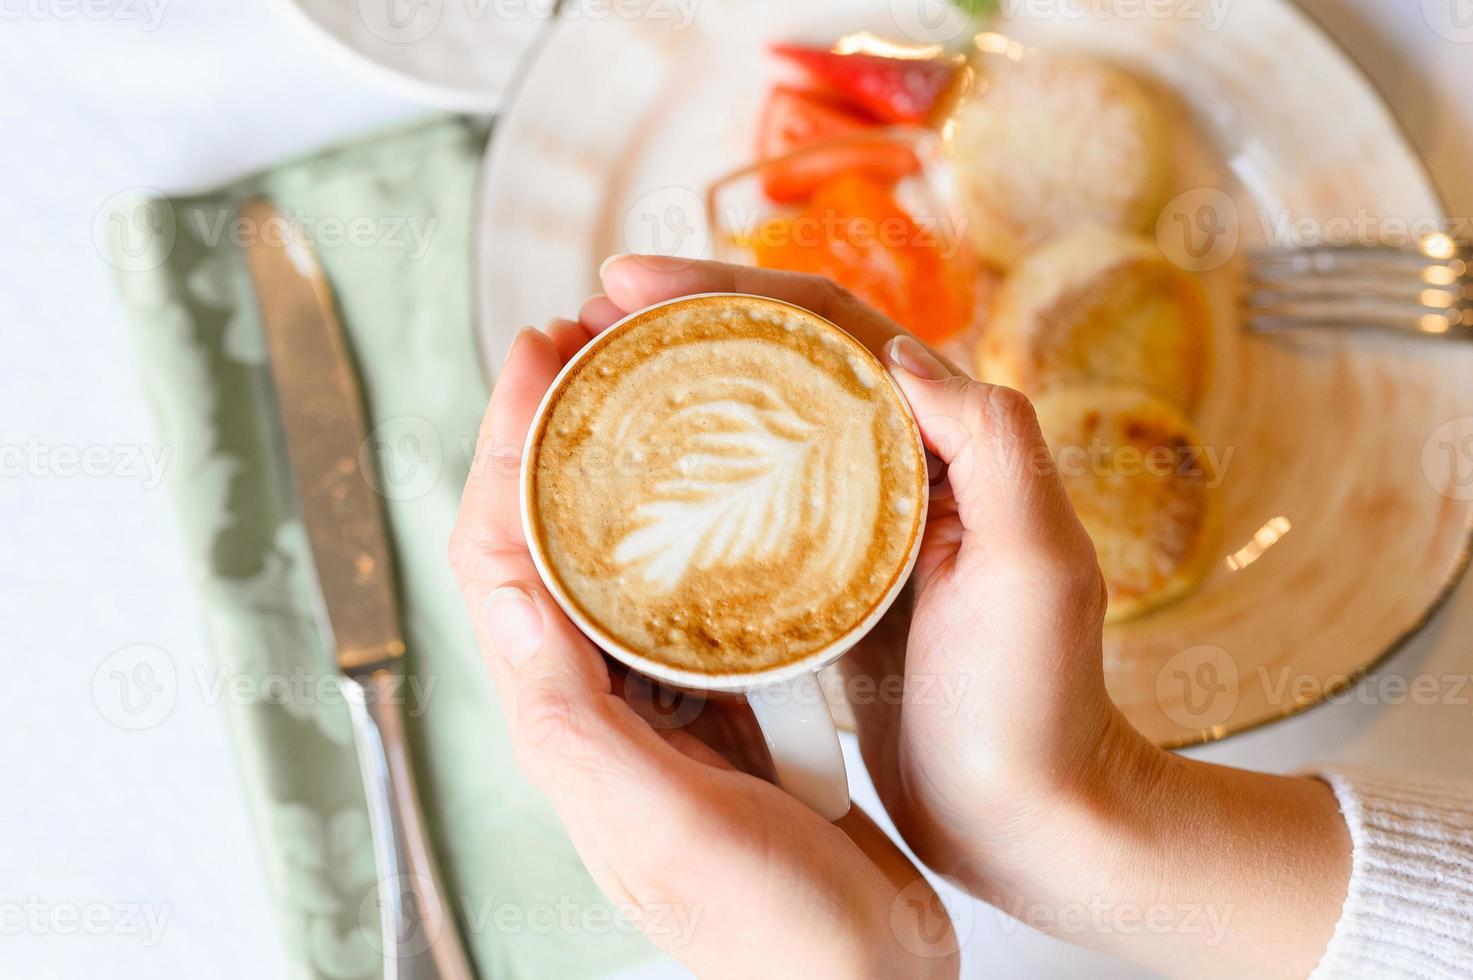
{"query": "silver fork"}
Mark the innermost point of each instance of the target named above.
(1424, 288)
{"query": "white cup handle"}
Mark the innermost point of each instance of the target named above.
(800, 735)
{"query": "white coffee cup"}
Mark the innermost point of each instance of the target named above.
(788, 701)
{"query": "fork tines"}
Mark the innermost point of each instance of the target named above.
(1424, 289)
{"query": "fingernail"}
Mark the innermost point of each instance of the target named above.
(911, 356)
(608, 262)
(514, 624)
(521, 335)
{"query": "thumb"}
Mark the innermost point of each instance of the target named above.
(1006, 486)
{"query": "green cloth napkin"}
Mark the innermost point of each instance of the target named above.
(391, 217)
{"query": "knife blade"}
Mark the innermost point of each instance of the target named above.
(322, 414)
(327, 441)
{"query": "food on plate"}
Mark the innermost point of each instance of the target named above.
(1063, 164)
(834, 163)
(1142, 482)
(892, 89)
(1099, 306)
(848, 96)
(855, 231)
(795, 118)
(1045, 144)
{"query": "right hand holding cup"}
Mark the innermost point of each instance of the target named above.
(1005, 713)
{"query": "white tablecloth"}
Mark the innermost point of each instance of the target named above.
(121, 851)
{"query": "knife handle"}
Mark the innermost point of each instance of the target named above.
(418, 937)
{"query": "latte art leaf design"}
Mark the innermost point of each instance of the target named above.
(724, 486)
(745, 485)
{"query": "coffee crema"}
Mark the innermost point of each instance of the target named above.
(726, 485)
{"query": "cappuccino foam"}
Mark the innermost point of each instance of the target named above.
(726, 485)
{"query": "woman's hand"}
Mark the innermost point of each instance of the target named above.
(729, 872)
(1007, 706)
(1006, 765)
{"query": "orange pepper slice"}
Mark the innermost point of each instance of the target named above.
(855, 231)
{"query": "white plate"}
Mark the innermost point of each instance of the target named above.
(1344, 524)
(620, 125)
(461, 55)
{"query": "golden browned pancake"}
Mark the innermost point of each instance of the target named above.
(1142, 482)
(1046, 144)
(1099, 306)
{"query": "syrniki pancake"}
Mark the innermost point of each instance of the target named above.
(1051, 143)
(1099, 306)
(727, 485)
(1142, 481)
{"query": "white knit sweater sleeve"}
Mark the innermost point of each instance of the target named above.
(1409, 912)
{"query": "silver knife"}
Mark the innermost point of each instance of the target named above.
(357, 610)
